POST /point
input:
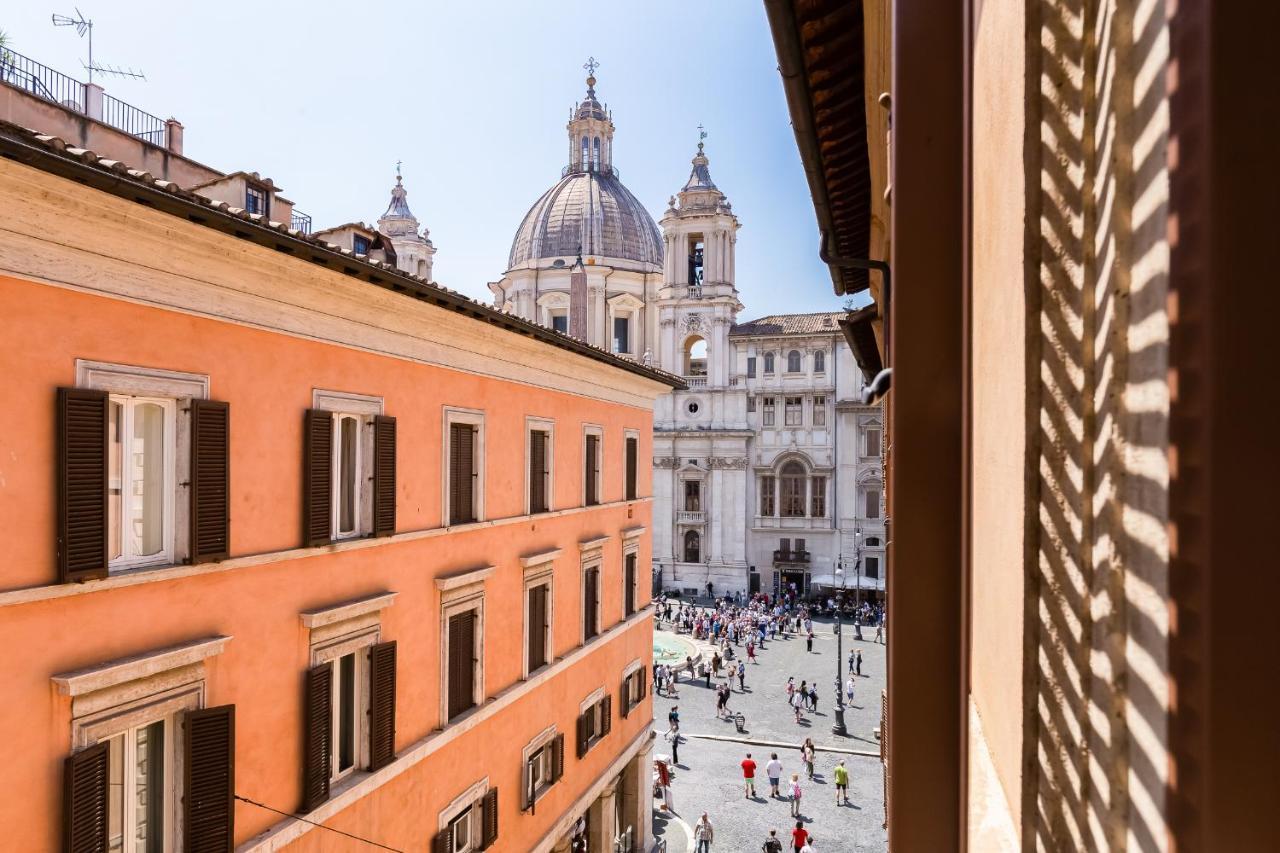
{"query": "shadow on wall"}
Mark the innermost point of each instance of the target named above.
(1096, 597)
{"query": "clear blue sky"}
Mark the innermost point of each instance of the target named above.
(473, 96)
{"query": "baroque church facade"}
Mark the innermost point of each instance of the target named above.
(767, 469)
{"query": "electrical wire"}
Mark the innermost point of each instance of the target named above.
(313, 823)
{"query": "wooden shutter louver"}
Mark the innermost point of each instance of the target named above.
(624, 697)
(593, 470)
(210, 481)
(384, 475)
(209, 789)
(557, 757)
(83, 428)
(606, 715)
(461, 663)
(537, 627)
(317, 478)
(382, 705)
(85, 800)
(537, 471)
(489, 819)
(643, 675)
(461, 473)
(443, 842)
(582, 734)
(589, 602)
(632, 451)
(317, 746)
(630, 580)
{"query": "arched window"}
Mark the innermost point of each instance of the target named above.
(819, 362)
(768, 362)
(793, 477)
(695, 357)
(595, 154)
(586, 154)
(692, 549)
(793, 361)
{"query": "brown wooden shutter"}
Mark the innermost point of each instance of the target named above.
(443, 842)
(537, 471)
(461, 473)
(384, 475)
(643, 675)
(557, 757)
(210, 480)
(630, 592)
(84, 812)
(83, 431)
(606, 715)
(537, 627)
(593, 470)
(382, 705)
(317, 746)
(209, 790)
(462, 663)
(582, 734)
(317, 478)
(632, 450)
(589, 597)
(624, 703)
(489, 819)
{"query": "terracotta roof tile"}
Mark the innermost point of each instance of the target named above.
(823, 322)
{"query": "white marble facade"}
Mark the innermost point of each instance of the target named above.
(767, 470)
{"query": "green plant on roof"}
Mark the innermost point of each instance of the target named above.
(5, 56)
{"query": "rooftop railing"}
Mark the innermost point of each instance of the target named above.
(132, 120)
(300, 222)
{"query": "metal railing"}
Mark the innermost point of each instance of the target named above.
(688, 516)
(300, 222)
(132, 120)
(30, 76)
(791, 556)
(573, 168)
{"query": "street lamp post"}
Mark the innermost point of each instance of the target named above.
(838, 726)
(857, 570)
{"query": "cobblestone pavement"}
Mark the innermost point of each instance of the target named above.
(709, 778)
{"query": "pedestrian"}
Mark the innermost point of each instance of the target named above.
(742, 676)
(673, 716)
(859, 661)
(851, 662)
(749, 776)
(808, 642)
(799, 837)
(771, 844)
(795, 704)
(809, 845)
(795, 795)
(722, 700)
(715, 664)
(791, 688)
(879, 633)
(813, 697)
(706, 670)
(673, 736)
(848, 690)
(703, 834)
(807, 754)
(774, 771)
(664, 781)
(751, 652)
(842, 783)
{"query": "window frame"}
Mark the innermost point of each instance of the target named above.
(795, 361)
(539, 570)
(250, 188)
(769, 363)
(866, 441)
(867, 503)
(751, 404)
(363, 408)
(793, 411)
(356, 248)
(469, 802)
(629, 435)
(169, 463)
(594, 703)
(631, 549)
(543, 747)
(820, 410)
(820, 361)
(458, 594)
(533, 423)
(768, 488)
(751, 367)
(475, 417)
(353, 628)
(817, 495)
(631, 685)
(769, 411)
(598, 431)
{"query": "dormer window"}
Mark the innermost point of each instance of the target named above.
(256, 199)
(360, 245)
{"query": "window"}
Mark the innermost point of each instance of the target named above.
(622, 334)
(255, 200)
(692, 408)
(871, 503)
(767, 486)
(794, 411)
(872, 443)
(820, 411)
(360, 244)
(793, 477)
(348, 716)
(560, 322)
(462, 662)
(818, 497)
(140, 798)
(349, 487)
(692, 547)
(140, 489)
(632, 466)
(464, 466)
(635, 684)
(800, 550)
(538, 625)
(693, 496)
(594, 720)
(820, 362)
(795, 362)
(539, 454)
(751, 403)
(347, 470)
(590, 603)
(543, 765)
(768, 411)
(470, 822)
(462, 640)
(591, 454)
(751, 367)
(873, 542)
(768, 363)
(595, 153)
(873, 567)
(628, 584)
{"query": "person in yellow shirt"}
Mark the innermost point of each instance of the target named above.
(842, 783)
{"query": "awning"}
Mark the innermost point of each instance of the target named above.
(826, 580)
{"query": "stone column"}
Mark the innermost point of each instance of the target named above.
(641, 817)
(601, 828)
(563, 845)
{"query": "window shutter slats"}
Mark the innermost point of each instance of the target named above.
(83, 430)
(582, 734)
(489, 819)
(606, 715)
(592, 469)
(537, 627)
(461, 473)
(382, 705)
(537, 471)
(631, 468)
(643, 675)
(85, 800)
(317, 477)
(210, 480)
(461, 663)
(317, 746)
(589, 603)
(624, 697)
(443, 842)
(630, 580)
(209, 791)
(384, 475)
(557, 758)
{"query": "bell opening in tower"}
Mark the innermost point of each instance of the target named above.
(695, 260)
(695, 357)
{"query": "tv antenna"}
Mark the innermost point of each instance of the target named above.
(84, 27)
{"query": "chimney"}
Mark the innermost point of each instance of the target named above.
(173, 135)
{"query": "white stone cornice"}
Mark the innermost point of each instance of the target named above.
(123, 670)
(464, 578)
(347, 610)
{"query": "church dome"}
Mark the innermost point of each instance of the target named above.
(590, 213)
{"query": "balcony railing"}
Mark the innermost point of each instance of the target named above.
(687, 516)
(791, 556)
(696, 381)
(30, 76)
(132, 120)
(300, 222)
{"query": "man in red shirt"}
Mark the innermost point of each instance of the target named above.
(749, 775)
(799, 836)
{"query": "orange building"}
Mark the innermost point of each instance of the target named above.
(305, 544)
